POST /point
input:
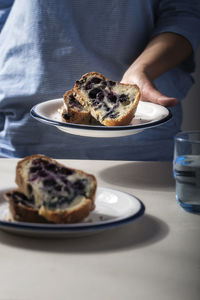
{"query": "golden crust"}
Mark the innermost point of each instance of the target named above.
(71, 215)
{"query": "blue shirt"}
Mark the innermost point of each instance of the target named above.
(46, 45)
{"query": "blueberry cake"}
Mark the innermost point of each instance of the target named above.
(49, 191)
(74, 112)
(110, 102)
(22, 209)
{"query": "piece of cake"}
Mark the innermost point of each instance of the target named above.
(22, 209)
(50, 191)
(74, 112)
(110, 102)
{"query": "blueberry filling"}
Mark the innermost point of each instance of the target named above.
(42, 173)
(98, 106)
(111, 113)
(93, 93)
(104, 83)
(112, 98)
(66, 171)
(114, 115)
(51, 167)
(35, 169)
(30, 189)
(88, 86)
(67, 189)
(101, 96)
(74, 103)
(123, 98)
(20, 198)
(58, 188)
(40, 162)
(79, 186)
(105, 107)
(64, 179)
(32, 199)
(49, 182)
(95, 80)
(94, 102)
(111, 83)
(59, 202)
(66, 116)
(20, 195)
(61, 190)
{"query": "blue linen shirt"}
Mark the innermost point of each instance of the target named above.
(46, 45)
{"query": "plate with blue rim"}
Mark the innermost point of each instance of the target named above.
(113, 208)
(148, 115)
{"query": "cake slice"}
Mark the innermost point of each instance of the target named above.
(73, 112)
(22, 209)
(50, 191)
(110, 102)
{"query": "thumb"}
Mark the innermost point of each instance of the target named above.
(151, 94)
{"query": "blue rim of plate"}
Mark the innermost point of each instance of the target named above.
(40, 118)
(76, 227)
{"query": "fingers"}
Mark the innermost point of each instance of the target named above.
(148, 90)
(166, 101)
(151, 94)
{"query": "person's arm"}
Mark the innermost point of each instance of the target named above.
(174, 41)
(163, 52)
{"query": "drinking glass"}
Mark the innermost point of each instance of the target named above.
(186, 169)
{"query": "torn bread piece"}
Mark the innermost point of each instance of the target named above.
(49, 191)
(73, 112)
(110, 102)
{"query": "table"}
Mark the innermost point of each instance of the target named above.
(155, 257)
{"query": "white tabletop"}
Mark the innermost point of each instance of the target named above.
(155, 257)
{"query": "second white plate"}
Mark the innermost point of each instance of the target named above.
(148, 115)
(113, 208)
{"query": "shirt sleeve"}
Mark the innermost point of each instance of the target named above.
(180, 17)
(5, 7)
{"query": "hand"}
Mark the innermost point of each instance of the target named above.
(162, 53)
(147, 87)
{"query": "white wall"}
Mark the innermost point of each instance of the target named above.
(191, 104)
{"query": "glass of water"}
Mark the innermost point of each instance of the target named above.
(186, 168)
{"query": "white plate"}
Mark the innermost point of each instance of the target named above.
(148, 115)
(113, 208)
